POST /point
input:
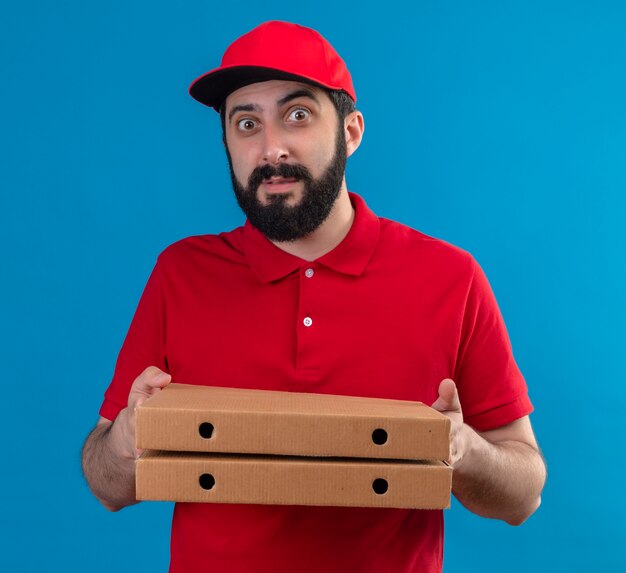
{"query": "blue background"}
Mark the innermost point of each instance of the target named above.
(497, 126)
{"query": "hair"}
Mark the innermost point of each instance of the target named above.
(343, 103)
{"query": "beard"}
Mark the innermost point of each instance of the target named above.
(279, 221)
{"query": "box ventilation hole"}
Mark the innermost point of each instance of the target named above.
(380, 486)
(206, 430)
(379, 436)
(207, 481)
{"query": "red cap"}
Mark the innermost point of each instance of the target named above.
(274, 51)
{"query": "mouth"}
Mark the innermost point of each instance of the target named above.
(279, 184)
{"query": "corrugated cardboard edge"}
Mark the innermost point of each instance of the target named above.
(279, 480)
(289, 423)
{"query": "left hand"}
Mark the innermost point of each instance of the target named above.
(448, 403)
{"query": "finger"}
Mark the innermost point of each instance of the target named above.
(138, 401)
(448, 400)
(150, 381)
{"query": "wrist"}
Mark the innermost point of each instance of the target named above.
(120, 443)
(467, 444)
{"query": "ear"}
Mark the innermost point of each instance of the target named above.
(354, 128)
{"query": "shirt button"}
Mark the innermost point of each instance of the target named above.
(309, 273)
(308, 321)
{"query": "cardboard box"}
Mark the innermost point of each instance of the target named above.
(192, 418)
(219, 478)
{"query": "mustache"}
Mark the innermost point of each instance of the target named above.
(286, 170)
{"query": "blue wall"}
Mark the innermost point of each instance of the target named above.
(497, 126)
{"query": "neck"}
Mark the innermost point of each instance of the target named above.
(328, 235)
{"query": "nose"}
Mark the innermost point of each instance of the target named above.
(274, 146)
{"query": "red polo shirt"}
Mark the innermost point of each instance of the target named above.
(389, 312)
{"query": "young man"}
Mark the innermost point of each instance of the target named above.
(317, 294)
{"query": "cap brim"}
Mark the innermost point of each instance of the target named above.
(212, 88)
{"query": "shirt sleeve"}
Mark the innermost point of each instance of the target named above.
(143, 346)
(491, 387)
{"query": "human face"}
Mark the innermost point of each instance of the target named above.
(287, 153)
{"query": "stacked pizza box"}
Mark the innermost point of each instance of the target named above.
(232, 445)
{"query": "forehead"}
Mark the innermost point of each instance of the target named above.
(271, 92)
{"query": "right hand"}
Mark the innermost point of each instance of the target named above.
(148, 383)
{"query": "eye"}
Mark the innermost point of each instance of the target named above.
(246, 124)
(299, 115)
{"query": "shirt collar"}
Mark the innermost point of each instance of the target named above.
(351, 256)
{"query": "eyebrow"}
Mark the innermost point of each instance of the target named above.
(243, 107)
(282, 101)
(298, 93)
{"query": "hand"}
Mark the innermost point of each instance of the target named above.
(448, 403)
(148, 383)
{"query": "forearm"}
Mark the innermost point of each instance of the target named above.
(500, 480)
(109, 469)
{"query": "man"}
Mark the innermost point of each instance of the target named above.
(317, 294)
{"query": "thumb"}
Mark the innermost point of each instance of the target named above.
(448, 400)
(138, 402)
(148, 383)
